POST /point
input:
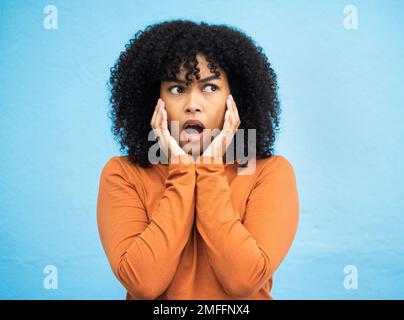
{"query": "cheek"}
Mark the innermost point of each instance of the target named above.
(169, 109)
(173, 116)
(219, 115)
(169, 114)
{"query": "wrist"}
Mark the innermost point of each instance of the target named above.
(183, 158)
(209, 159)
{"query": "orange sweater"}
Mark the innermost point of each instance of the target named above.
(196, 230)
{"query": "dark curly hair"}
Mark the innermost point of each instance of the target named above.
(157, 53)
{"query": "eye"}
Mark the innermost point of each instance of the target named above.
(176, 91)
(214, 87)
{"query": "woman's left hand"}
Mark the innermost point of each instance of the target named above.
(221, 142)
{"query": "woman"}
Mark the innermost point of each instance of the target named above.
(193, 227)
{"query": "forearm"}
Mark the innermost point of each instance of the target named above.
(244, 255)
(145, 260)
(239, 262)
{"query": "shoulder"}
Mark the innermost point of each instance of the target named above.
(122, 166)
(131, 172)
(277, 160)
(275, 165)
(114, 164)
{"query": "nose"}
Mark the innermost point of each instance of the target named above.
(192, 108)
(192, 104)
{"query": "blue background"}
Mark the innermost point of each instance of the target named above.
(342, 98)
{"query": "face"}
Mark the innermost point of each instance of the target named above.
(203, 100)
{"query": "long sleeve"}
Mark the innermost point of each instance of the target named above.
(144, 256)
(244, 255)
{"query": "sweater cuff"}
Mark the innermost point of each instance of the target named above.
(209, 162)
(181, 162)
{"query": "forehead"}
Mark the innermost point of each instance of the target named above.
(204, 71)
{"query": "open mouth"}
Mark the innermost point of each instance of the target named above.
(193, 131)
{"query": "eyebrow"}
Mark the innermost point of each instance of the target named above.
(199, 81)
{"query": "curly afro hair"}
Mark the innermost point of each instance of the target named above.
(157, 53)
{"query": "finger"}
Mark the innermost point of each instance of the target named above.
(238, 120)
(235, 118)
(229, 107)
(157, 129)
(155, 113)
(159, 116)
(228, 103)
(232, 113)
(226, 124)
(152, 122)
(157, 134)
(235, 109)
(164, 118)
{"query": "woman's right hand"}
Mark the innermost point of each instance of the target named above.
(160, 128)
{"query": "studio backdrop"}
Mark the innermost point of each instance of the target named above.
(340, 68)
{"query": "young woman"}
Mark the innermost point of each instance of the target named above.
(193, 227)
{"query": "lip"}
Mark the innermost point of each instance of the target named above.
(193, 121)
(193, 136)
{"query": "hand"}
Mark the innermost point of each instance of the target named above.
(221, 142)
(160, 128)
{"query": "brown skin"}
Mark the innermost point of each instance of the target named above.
(204, 101)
